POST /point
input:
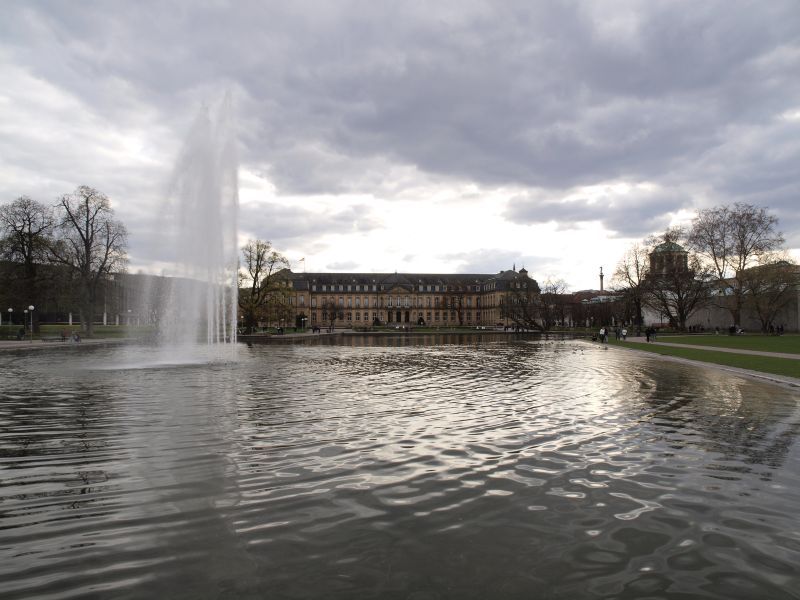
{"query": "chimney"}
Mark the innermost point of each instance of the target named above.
(601, 279)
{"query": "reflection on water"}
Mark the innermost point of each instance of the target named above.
(395, 469)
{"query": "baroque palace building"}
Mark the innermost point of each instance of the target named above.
(401, 299)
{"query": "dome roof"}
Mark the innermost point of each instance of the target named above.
(669, 247)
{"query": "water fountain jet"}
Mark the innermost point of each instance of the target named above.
(194, 307)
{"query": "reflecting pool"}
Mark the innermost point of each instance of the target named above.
(482, 467)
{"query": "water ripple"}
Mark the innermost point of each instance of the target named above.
(396, 470)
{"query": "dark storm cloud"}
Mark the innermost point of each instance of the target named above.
(633, 213)
(545, 96)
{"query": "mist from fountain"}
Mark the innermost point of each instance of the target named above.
(194, 306)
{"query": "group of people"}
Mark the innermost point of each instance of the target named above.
(620, 333)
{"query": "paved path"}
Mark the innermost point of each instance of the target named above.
(718, 349)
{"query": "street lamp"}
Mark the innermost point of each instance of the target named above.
(10, 314)
(30, 308)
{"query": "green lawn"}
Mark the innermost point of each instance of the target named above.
(763, 343)
(100, 331)
(765, 364)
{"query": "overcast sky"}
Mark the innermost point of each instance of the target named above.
(416, 136)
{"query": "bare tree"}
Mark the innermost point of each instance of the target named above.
(455, 300)
(552, 301)
(262, 285)
(678, 288)
(731, 240)
(91, 244)
(522, 303)
(630, 278)
(26, 230)
(330, 312)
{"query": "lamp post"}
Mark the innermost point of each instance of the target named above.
(30, 308)
(10, 315)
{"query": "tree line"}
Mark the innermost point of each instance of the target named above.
(734, 260)
(729, 257)
(69, 248)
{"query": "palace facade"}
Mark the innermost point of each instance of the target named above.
(402, 299)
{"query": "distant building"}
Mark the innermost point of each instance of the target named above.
(668, 257)
(363, 299)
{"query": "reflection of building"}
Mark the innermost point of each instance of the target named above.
(361, 299)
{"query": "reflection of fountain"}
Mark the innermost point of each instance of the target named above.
(199, 301)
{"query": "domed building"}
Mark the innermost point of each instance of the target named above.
(668, 257)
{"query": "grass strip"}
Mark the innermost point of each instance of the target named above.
(789, 344)
(787, 367)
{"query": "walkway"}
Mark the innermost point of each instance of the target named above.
(643, 340)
